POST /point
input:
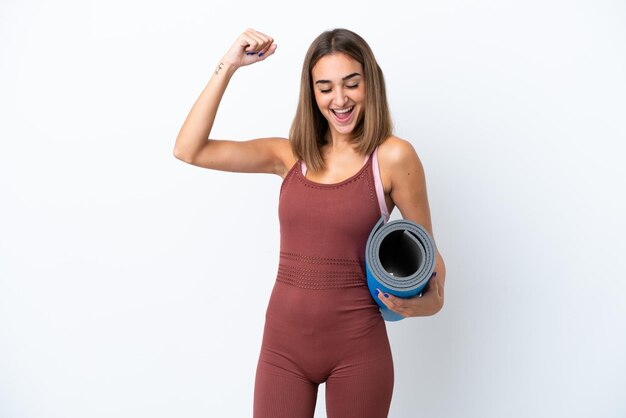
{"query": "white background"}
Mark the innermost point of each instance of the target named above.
(134, 285)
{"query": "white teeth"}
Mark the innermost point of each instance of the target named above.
(346, 110)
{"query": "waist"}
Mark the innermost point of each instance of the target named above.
(312, 272)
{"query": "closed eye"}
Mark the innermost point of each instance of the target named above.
(351, 87)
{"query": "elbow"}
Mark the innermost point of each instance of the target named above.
(179, 155)
(182, 155)
(439, 306)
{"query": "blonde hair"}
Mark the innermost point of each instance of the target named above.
(309, 127)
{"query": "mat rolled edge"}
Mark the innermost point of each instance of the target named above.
(406, 286)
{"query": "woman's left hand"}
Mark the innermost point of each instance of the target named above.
(429, 303)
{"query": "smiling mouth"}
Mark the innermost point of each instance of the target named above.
(343, 114)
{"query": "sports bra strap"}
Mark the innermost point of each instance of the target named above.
(378, 185)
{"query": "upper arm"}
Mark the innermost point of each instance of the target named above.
(405, 182)
(262, 155)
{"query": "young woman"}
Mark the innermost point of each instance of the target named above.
(342, 169)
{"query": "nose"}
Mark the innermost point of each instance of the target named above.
(340, 98)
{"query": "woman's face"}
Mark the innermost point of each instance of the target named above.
(339, 88)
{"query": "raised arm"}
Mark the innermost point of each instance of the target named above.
(194, 144)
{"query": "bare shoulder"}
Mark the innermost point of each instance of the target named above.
(397, 156)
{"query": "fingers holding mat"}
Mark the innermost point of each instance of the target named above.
(400, 257)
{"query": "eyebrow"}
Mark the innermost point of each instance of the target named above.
(343, 79)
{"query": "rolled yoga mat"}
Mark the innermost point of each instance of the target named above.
(400, 257)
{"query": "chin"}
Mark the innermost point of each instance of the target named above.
(343, 130)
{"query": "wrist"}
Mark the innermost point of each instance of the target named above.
(225, 67)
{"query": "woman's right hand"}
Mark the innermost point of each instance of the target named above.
(250, 47)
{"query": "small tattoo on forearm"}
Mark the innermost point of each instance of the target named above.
(219, 67)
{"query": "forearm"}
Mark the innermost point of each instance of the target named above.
(440, 269)
(195, 131)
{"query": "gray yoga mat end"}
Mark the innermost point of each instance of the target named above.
(400, 258)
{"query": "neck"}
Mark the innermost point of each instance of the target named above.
(338, 142)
